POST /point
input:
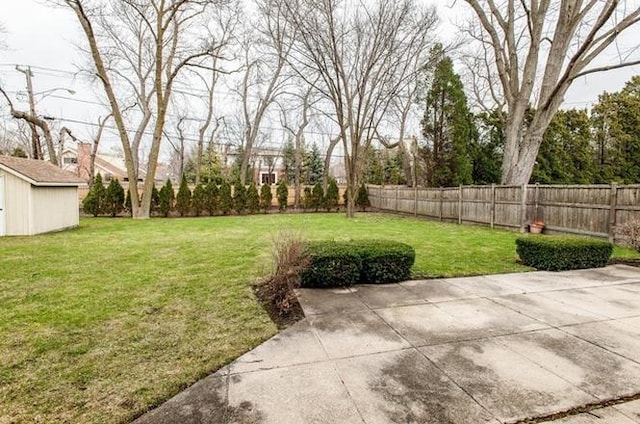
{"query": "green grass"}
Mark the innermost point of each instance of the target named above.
(101, 323)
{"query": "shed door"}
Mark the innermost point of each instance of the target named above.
(2, 206)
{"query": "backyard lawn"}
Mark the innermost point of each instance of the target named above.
(101, 323)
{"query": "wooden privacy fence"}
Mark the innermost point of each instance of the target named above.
(592, 210)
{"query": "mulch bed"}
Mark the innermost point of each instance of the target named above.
(281, 319)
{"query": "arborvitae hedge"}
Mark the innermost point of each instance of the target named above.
(266, 197)
(114, 198)
(362, 200)
(93, 204)
(212, 203)
(183, 200)
(335, 264)
(317, 197)
(226, 201)
(199, 199)
(253, 199)
(167, 198)
(282, 192)
(558, 253)
(333, 195)
(239, 198)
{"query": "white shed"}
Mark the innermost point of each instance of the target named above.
(36, 197)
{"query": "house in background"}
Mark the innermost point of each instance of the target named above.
(78, 160)
(36, 197)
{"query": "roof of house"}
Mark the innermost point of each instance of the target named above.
(39, 172)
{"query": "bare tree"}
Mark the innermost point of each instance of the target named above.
(362, 52)
(102, 122)
(168, 48)
(535, 49)
(264, 78)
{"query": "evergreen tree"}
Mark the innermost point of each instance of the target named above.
(393, 172)
(333, 195)
(212, 198)
(317, 196)
(93, 204)
(566, 155)
(155, 199)
(183, 200)
(253, 199)
(282, 193)
(307, 198)
(313, 166)
(266, 197)
(127, 204)
(166, 198)
(114, 198)
(362, 201)
(447, 127)
(226, 201)
(486, 147)
(199, 199)
(289, 162)
(373, 169)
(239, 198)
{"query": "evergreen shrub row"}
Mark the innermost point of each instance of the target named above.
(559, 253)
(342, 264)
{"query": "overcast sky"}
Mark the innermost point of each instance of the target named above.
(44, 37)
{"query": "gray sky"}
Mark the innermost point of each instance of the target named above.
(44, 37)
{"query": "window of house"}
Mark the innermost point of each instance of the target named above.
(70, 161)
(268, 179)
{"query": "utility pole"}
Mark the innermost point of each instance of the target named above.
(36, 147)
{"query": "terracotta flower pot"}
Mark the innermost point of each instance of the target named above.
(536, 227)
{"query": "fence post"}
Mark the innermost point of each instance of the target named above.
(523, 209)
(415, 210)
(612, 211)
(380, 192)
(397, 195)
(493, 205)
(460, 204)
(441, 201)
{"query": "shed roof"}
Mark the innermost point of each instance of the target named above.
(39, 172)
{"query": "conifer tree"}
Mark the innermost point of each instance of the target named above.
(114, 198)
(253, 199)
(127, 204)
(199, 199)
(93, 204)
(226, 201)
(239, 198)
(155, 199)
(183, 200)
(317, 196)
(307, 198)
(166, 199)
(333, 195)
(266, 197)
(282, 192)
(362, 201)
(212, 198)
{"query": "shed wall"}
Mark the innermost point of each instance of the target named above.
(54, 208)
(17, 205)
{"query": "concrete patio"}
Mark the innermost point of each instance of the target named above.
(495, 349)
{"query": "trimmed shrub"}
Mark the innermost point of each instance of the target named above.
(362, 199)
(226, 201)
(183, 200)
(114, 199)
(317, 197)
(282, 193)
(333, 195)
(239, 198)
(199, 199)
(552, 253)
(336, 264)
(253, 199)
(266, 197)
(384, 261)
(167, 198)
(331, 264)
(212, 198)
(93, 204)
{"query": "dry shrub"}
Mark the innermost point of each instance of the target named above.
(631, 232)
(290, 259)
